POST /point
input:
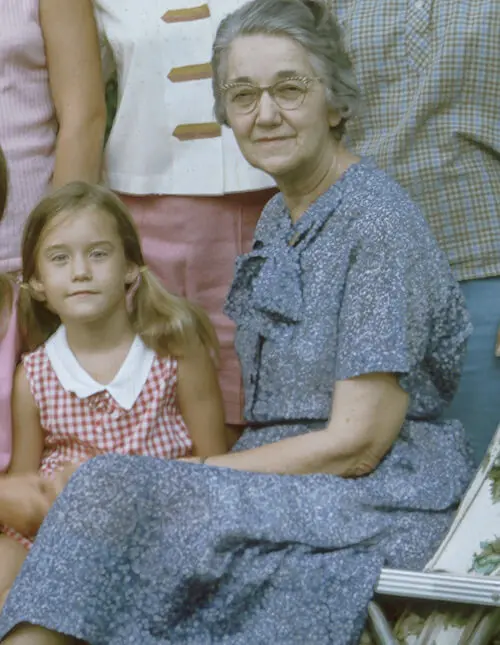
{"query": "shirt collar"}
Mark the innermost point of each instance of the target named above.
(125, 386)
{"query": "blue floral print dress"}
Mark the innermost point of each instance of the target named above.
(141, 550)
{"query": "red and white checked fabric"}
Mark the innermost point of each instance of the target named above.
(77, 429)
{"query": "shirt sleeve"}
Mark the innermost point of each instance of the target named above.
(385, 312)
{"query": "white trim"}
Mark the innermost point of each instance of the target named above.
(448, 587)
(125, 386)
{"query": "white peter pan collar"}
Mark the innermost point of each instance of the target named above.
(124, 388)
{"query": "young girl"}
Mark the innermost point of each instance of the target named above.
(117, 363)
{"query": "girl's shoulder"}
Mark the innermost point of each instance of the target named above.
(164, 369)
(39, 374)
(35, 360)
(163, 375)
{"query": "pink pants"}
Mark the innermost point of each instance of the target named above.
(191, 244)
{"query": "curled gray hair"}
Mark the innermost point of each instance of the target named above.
(308, 22)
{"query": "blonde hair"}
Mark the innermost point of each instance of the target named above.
(6, 283)
(166, 323)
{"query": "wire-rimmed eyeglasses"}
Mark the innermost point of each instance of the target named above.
(288, 94)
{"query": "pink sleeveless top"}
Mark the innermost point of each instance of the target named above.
(28, 125)
(9, 354)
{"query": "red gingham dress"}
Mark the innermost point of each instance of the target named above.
(79, 428)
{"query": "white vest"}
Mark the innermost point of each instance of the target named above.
(164, 139)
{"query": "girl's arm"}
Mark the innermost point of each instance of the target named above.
(25, 498)
(74, 65)
(367, 414)
(200, 401)
(28, 434)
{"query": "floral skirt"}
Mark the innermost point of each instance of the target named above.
(141, 550)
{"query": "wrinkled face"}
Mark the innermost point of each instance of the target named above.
(82, 272)
(282, 142)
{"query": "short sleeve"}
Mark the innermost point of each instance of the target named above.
(107, 58)
(385, 313)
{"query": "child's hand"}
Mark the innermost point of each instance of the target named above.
(62, 476)
(24, 502)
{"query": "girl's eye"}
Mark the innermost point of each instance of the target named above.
(98, 254)
(59, 258)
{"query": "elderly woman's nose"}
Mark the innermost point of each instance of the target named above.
(268, 111)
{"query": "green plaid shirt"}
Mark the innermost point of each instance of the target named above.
(429, 73)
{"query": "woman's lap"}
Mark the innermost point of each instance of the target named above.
(141, 550)
(135, 573)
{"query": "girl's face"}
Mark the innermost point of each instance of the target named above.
(82, 271)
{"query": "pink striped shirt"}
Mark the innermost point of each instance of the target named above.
(28, 125)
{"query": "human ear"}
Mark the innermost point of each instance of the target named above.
(132, 273)
(37, 289)
(334, 118)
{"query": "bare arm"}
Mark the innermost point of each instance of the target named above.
(367, 414)
(200, 401)
(25, 498)
(28, 434)
(73, 61)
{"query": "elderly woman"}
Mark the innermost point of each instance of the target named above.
(351, 334)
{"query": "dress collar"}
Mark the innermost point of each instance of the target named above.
(268, 285)
(124, 388)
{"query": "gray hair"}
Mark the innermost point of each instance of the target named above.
(308, 22)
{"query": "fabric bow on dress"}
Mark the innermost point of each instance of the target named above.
(267, 285)
(268, 281)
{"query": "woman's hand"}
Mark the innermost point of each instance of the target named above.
(190, 460)
(25, 500)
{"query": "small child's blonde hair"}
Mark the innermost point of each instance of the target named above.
(166, 323)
